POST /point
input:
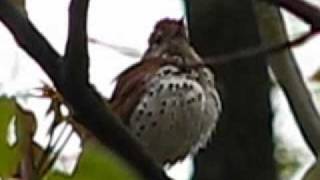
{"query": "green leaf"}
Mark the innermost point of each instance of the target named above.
(9, 156)
(98, 163)
(22, 150)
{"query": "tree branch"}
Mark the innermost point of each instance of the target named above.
(88, 104)
(76, 53)
(71, 80)
(307, 12)
(287, 72)
(263, 50)
(28, 38)
(283, 64)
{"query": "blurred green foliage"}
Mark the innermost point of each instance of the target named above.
(95, 162)
(287, 163)
(98, 163)
(9, 156)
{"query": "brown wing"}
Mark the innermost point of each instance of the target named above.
(131, 84)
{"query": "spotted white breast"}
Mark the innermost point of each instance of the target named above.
(177, 113)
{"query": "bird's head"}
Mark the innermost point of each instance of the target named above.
(169, 40)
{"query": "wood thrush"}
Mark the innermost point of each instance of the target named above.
(168, 104)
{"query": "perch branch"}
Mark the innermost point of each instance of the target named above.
(86, 103)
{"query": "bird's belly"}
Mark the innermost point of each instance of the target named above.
(175, 121)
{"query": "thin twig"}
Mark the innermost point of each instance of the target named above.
(47, 152)
(56, 155)
(254, 52)
(126, 51)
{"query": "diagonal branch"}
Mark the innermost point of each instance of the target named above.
(292, 83)
(89, 107)
(28, 37)
(307, 12)
(286, 69)
(276, 44)
(71, 79)
(259, 51)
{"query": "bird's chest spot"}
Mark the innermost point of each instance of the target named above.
(172, 103)
(176, 114)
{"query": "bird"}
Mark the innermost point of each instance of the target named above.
(170, 105)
